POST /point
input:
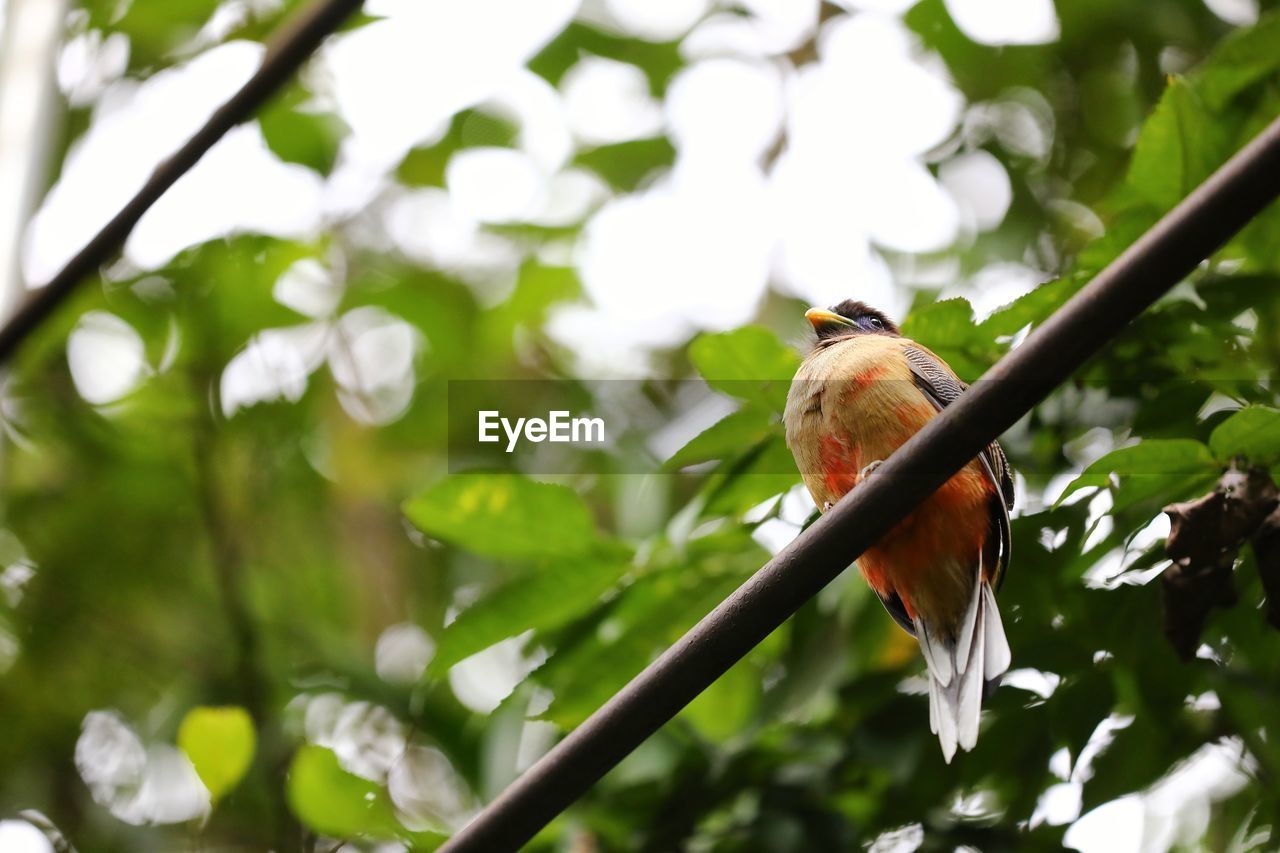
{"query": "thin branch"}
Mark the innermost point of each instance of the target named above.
(1192, 231)
(252, 681)
(212, 484)
(288, 49)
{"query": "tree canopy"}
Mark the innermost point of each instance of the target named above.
(254, 593)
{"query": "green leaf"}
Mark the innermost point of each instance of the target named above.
(659, 61)
(331, 801)
(1252, 432)
(765, 471)
(1242, 59)
(538, 289)
(425, 167)
(726, 437)
(625, 164)
(443, 309)
(1123, 231)
(648, 616)
(156, 28)
(297, 134)
(1249, 705)
(749, 363)
(948, 329)
(1179, 146)
(543, 599)
(220, 743)
(505, 516)
(723, 709)
(1259, 241)
(1164, 469)
(1032, 308)
(945, 323)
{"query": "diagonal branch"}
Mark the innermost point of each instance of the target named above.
(288, 49)
(1192, 231)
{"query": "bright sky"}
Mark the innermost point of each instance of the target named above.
(694, 249)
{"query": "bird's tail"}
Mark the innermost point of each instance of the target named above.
(960, 667)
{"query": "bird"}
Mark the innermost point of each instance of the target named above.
(861, 391)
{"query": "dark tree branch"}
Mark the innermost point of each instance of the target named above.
(288, 49)
(1191, 232)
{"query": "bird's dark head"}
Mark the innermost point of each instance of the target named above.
(847, 319)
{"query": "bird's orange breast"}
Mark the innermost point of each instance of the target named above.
(855, 403)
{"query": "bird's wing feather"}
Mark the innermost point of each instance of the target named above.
(943, 387)
(893, 604)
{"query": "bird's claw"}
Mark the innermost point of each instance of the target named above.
(866, 471)
(826, 505)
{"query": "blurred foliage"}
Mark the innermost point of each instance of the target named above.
(235, 580)
(219, 742)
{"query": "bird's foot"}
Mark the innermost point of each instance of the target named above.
(866, 471)
(826, 505)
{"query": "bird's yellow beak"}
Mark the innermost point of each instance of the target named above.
(822, 318)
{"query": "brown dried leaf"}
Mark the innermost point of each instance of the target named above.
(1205, 536)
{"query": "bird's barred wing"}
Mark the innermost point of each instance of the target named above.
(936, 381)
(942, 388)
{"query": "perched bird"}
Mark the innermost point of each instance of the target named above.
(860, 393)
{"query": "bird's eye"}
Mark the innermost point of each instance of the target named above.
(875, 322)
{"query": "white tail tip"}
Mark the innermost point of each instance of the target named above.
(958, 670)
